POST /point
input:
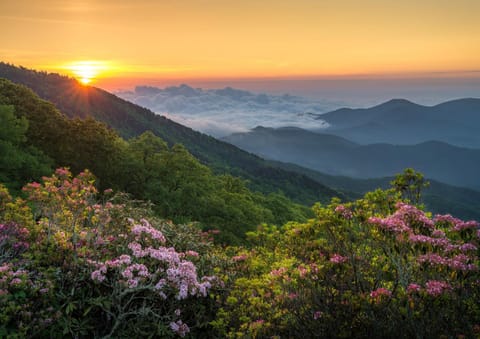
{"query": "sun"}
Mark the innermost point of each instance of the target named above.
(86, 71)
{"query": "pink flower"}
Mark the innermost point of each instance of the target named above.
(191, 253)
(62, 172)
(438, 234)
(317, 315)
(432, 258)
(97, 276)
(4, 267)
(447, 218)
(379, 293)
(179, 328)
(413, 288)
(338, 259)
(15, 281)
(467, 247)
(436, 288)
(146, 228)
(463, 225)
(277, 273)
(344, 212)
(132, 283)
(302, 271)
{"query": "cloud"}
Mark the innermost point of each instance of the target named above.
(220, 112)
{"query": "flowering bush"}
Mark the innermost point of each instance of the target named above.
(150, 279)
(378, 267)
(77, 263)
(99, 271)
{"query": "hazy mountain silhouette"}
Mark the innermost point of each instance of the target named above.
(400, 121)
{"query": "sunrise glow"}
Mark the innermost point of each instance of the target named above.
(86, 71)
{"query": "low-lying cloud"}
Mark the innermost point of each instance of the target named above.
(221, 112)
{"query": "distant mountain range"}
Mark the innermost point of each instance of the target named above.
(338, 156)
(400, 121)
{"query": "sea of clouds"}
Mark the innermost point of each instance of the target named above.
(221, 112)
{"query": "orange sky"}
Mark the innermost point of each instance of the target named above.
(188, 39)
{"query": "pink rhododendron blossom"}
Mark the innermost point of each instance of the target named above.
(145, 227)
(447, 218)
(338, 259)
(424, 239)
(140, 269)
(436, 288)
(302, 271)
(5, 267)
(279, 272)
(192, 253)
(344, 212)
(132, 283)
(465, 225)
(413, 288)
(15, 281)
(97, 276)
(405, 217)
(180, 328)
(137, 250)
(467, 247)
(380, 292)
(438, 234)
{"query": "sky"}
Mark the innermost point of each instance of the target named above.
(200, 40)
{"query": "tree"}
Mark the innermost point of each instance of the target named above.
(410, 184)
(19, 162)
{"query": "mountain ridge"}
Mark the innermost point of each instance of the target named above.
(330, 154)
(400, 121)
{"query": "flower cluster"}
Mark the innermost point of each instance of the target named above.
(460, 262)
(338, 259)
(419, 230)
(153, 266)
(380, 293)
(436, 288)
(405, 219)
(13, 240)
(146, 228)
(180, 328)
(344, 211)
(457, 224)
